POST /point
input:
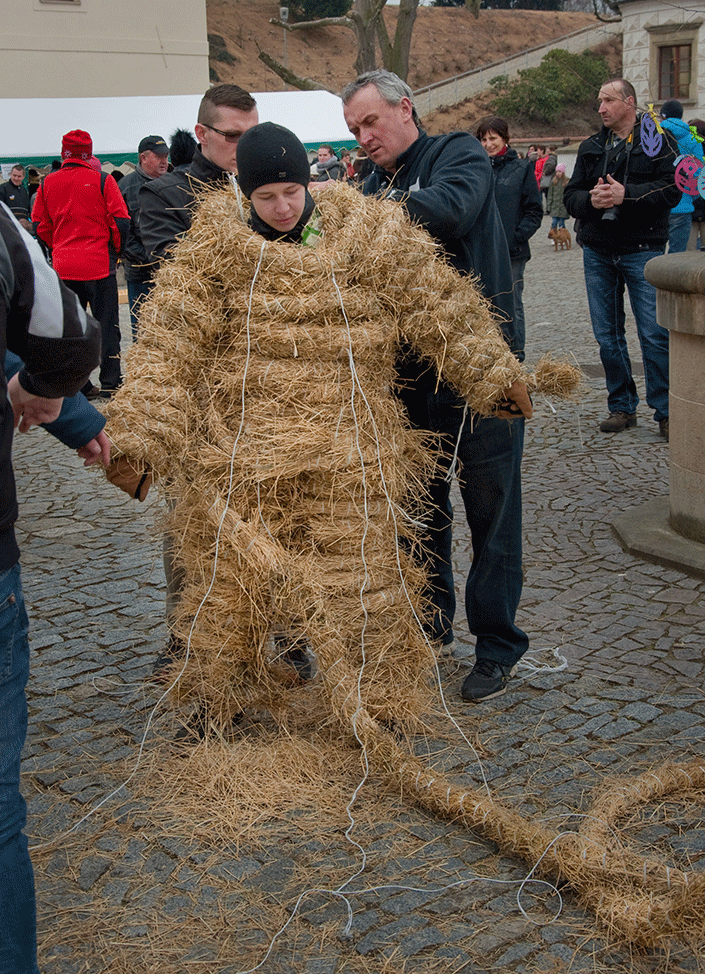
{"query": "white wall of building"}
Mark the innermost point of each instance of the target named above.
(79, 48)
(650, 23)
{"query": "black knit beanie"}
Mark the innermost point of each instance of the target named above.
(269, 153)
(672, 109)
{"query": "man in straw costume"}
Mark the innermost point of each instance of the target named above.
(445, 184)
(261, 394)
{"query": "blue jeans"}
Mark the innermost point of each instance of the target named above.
(18, 926)
(137, 291)
(490, 453)
(557, 223)
(606, 276)
(679, 225)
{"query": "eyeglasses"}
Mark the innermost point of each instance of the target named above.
(231, 137)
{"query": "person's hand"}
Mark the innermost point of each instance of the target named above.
(135, 480)
(96, 449)
(31, 410)
(516, 402)
(607, 193)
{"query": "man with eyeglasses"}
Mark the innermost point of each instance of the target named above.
(166, 207)
(166, 204)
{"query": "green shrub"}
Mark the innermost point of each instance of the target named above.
(541, 93)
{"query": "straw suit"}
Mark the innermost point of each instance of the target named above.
(261, 393)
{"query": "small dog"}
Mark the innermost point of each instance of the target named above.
(560, 236)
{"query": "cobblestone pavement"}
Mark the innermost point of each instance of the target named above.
(125, 892)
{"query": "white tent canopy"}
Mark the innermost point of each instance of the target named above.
(34, 126)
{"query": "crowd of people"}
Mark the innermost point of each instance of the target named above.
(475, 196)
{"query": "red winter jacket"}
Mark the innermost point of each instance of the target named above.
(538, 168)
(78, 220)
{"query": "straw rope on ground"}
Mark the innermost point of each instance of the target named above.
(260, 394)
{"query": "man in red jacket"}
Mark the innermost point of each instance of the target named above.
(81, 216)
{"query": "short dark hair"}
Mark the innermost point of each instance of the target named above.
(493, 123)
(230, 96)
(330, 148)
(18, 165)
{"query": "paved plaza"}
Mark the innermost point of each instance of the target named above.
(147, 883)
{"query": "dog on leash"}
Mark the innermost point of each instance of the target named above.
(560, 236)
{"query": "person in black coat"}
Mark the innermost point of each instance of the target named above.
(519, 203)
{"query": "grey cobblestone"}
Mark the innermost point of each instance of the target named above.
(630, 698)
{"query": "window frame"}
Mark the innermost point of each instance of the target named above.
(673, 35)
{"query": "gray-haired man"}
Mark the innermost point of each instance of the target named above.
(445, 183)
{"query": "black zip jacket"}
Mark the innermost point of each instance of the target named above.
(134, 256)
(641, 221)
(445, 183)
(518, 201)
(166, 204)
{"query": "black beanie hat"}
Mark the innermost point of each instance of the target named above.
(269, 153)
(672, 109)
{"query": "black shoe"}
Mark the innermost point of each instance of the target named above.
(91, 392)
(663, 429)
(616, 422)
(485, 680)
(173, 651)
(295, 655)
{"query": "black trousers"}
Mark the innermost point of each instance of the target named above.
(102, 296)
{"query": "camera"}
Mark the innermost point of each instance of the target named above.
(611, 214)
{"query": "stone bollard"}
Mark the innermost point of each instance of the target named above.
(680, 283)
(670, 530)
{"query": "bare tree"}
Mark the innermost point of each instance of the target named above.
(366, 19)
(611, 5)
(395, 57)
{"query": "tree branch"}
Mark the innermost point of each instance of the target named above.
(324, 22)
(303, 84)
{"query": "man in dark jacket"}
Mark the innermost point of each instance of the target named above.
(445, 184)
(166, 204)
(15, 195)
(43, 323)
(153, 153)
(623, 198)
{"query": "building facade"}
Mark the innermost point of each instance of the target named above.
(80, 48)
(664, 52)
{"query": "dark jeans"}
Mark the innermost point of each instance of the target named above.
(518, 267)
(102, 295)
(137, 291)
(606, 276)
(678, 232)
(489, 453)
(18, 928)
